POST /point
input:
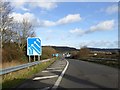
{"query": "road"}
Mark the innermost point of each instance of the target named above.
(79, 74)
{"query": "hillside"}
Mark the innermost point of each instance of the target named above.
(62, 49)
(69, 49)
(104, 49)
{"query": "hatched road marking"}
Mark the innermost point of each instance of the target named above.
(54, 68)
(51, 71)
(60, 77)
(46, 77)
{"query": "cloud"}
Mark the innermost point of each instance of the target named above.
(24, 9)
(100, 43)
(69, 19)
(45, 23)
(102, 26)
(105, 25)
(49, 31)
(65, 20)
(76, 31)
(19, 17)
(19, 4)
(112, 9)
(43, 4)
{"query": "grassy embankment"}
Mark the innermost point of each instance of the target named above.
(15, 78)
(110, 63)
(86, 54)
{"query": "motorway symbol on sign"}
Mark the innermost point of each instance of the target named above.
(33, 46)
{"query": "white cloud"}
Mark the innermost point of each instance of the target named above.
(65, 20)
(24, 9)
(19, 4)
(76, 31)
(49, 31)
(112, 9)
(43, 4)
(100, 43)
(19, 17)
(45, 23)
(69, 19)
(102, 26)
(105, 25)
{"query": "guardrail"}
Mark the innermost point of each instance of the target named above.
(19, 67)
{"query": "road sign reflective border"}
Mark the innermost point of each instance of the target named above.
(34, 46)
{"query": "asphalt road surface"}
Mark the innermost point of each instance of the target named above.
(78, 74)
(45, 79)
(81, 74)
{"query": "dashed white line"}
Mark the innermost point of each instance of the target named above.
(46, 77)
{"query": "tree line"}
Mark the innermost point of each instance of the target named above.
(11, 30)
(14, 35)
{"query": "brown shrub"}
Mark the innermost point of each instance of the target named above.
(11, 52)
(47, 52)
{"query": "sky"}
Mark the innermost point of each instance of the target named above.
(72, 24)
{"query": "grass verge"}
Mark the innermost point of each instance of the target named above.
(15, 78)
(111, 63)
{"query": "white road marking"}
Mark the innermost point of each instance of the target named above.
(62, 65)
(55, 68)
(46, 88)
(60, 77)
(51, 71)
(46, 77)
(45, 71)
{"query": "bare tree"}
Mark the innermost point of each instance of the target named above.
(11, 30)
(25, 30)
(6, 22)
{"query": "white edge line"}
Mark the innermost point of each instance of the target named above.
(60, 77)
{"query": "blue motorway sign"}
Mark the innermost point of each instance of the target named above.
(56, 54)
(34, 46)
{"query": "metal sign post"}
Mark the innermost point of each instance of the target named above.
(29, 59)
(34, 58)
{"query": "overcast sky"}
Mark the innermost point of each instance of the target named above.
(74, 24)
